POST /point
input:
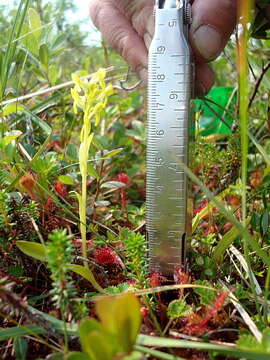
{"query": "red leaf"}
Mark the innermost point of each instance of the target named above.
(60, 189)
(28, 182)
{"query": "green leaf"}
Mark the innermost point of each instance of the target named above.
(34, 22)
(179, 308)
(92, 172)
(112, 153)
(57, 356)
(121, 316)
(264, 222)
(20, 347)
(12, 108)
(77, 356)
(44, 55)
(53, 74)
(207, 296)
(225, 243)
(87, 274)
(59, 41)
(39, 74)
(33, 249)
(108, 318)
(255, 221)
(19, 331)
(30, 41)
(45, 127)
(112, 185)
(96, 342)
(101, 203)
(129, 321)
(249, 342)
(100, 345)
(86, 326)
(65, 179)
(136, 355)
(10, 136)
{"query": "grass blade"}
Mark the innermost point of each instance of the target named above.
(243, 71)
(225, 212)
(224, 244)
(12, 44)
(157, 354)
(146, 340)
(19, 331)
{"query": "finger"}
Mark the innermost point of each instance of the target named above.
(213, 23)
(204, 79)
(118, 31)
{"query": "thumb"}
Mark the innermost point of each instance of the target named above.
(213, 23)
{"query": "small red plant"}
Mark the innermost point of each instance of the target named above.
(28, 182)
(256, 178)
(180, 276)
(61, 189)
(105, 255)
(201, 206)
(144, 311)
(125, 179)
(55, 145)
(50, 205)
(201, 326)
(155, 279)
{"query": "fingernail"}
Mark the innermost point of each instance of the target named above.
(208, 41)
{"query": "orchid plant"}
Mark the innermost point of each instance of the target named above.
(91, 97)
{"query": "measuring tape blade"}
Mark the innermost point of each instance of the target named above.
(169, 130)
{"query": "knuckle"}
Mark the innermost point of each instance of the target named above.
(95, 8)
(120, 41)
(124, 47)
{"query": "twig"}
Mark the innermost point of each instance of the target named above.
(14, 302)
(217, 115)
(18, 281)
(178, 335)
(140, 226)
(258, 83)
(53, 88)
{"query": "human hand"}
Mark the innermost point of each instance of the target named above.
(128, 25)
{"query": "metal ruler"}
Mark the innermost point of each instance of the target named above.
(169, 133)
